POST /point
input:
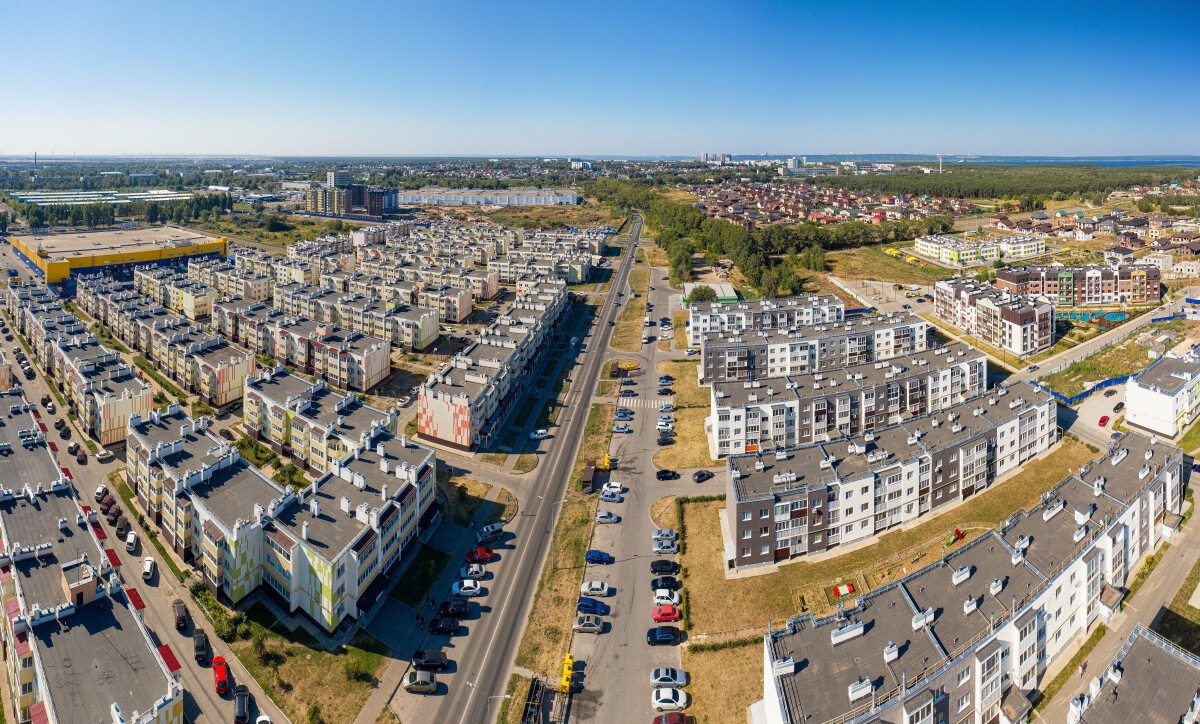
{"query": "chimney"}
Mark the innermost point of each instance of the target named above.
(314, 508)
(383, 493)
(304, 530)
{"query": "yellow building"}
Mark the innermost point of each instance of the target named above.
(59, 258)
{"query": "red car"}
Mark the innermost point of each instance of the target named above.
(666, 614)
(1104, 421)
(480, 555)
(220, 674)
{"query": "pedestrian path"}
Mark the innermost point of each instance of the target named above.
(633, 403)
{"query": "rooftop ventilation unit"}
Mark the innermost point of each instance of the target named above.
(859, 689)
(1119, 456)
(1051, 510)
(961, 575)
(922, 619)
(760, 465)
(969, 606)
(1098, 486)
(1080, 532)
(846, 631)
(996, 586)
(891, 652)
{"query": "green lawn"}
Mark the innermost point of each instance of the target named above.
(419, 577)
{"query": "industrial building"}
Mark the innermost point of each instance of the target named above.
(436, 195)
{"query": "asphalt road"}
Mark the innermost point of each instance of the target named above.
(482, 663)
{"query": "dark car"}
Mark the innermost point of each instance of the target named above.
(666, 475)
(662, 636)
(674, 717)
(1109, 393)
(457, 608)
(598, 557)
(429, 660)
(627, 393)
(665, 441)
(81, 457)
(666, 582)
(241, 704)
(200, 646)
(226, 434)
(59, 423)
(668, 378)
(591, 605)
(65, 432)
(666, 391)
(180, 612)
(663, 567)
(443, 624)
(112, 515)
(1118, 407)
(628, 381)
(700, 476)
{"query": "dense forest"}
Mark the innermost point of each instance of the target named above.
(103, 214)
(970, 181)
(687, 230)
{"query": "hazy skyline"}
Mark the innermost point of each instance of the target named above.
(610, 79)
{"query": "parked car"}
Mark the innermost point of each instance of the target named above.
(147, 568)
(612, 486)
(539, 435)
(131, 542)
(598, 557)
(473, 571)
(662, 635)
(1103, 420)
(666, 418)
(241, 704)
(405, 401)
(624, 411)
(429, 660)
(591, 605)
(598, 589)
(51, 408)
(1110, 392)
(665, 547)
(466, 588)
(666, 676)
(665, 582)
(443, 625)
(225, 433)
(607, 496)
(622, 418)
(1118, 407)
(700, 476)
(665, 597)
(622, 429)
(1033, 368)
(606, 517)
(220, 675)
(668, 699)
(628, 381)
(588, 623)
(666, 391)
(104, 456)
(665, 440)
(482, 554)
(664, 567)
(627, 393)
(458, 608)
(420, 682)
(72, 448)
(200, 646)
(81, 457)
(664, 426)
(179, 610)
(101, 491)
(666, 614)
(59, 423)
(664, 534)
(666, 475)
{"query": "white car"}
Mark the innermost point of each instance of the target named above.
(664, 676)
(664, 534)
(668, 699)
(691, 352)
(666, 597)
(605, 516)
(610, 497)
(664, 426)
(473, 571)
(104, 456)
(539, 435)
(595, 589)
(666, 418)
(466, 588)
(612, 486)
(664, 547)
(147, 568)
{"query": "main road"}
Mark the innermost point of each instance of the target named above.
(485, 659)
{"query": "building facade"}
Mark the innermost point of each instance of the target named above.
(1084, 285)
(1015, 324)
(765, 314)
(1165, 397)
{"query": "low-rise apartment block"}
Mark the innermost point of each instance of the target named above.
(67, 610)
(325, 550)
(466, 404)
(757, 354)
(765, 314)
(1016, 324)
(778, 413)
(964, 252)
(974, 636)
(103, 390)
(1077, 286)
(227, 280)
(1165, 397)
(807, 500)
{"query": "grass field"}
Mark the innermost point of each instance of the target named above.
(869, 262)
(548, 629)
(551, 217)
(1123, 358)
(652, 256)
(717, 695)
(680, 322)
(688, 392)
(510, 708)
(627, 334)
(420, 576)
(463, 497)
(662, 512)
(679, 196)
(718, 604)
(691, 444)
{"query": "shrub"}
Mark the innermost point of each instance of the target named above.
(354, 670)
(730, 644)
(313, 714)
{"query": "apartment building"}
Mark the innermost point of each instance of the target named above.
(1028, 592)
(757, 354)
(1165, 397)
(325, 550)
(807, 500)
(171, 288)
(784, 412)
(963, 252)
(1076, 286)
(332, 201)
(1020, 325)
(466, 404)
(436, 195)
(101, 389)
(307, 421)
(451, 304)
(412, 329)
(294, 271)
(783, 313)
(1132, 687)
(227, 280)
(68, 612)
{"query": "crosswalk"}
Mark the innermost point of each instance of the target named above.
(653, 403)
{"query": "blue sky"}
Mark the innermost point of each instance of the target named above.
(601, 78)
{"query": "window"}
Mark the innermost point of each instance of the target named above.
(963, 676)
(764, 513)
(964, 701)
(764, 530)
(27, 688)
(745, 515)
(764, 550)
(26, 662)
(745, 533)
(745, 552)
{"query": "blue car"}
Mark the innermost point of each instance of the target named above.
(662, 635)
(591, 605)
(599, 557)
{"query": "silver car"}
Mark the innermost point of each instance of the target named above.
(420, 682)
(588, 623)
(664, 534)
(664, 547)
(665, 676)
(605, 516)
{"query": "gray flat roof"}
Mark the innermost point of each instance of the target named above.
(23, 466)
(743, 338)
(232, 492)
(1157, 684)
(1051, 542)
(32, 524)
(97, 656)
(1121, 481)
(750, 306)
(1168, 374)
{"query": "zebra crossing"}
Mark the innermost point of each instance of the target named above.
(652, 403)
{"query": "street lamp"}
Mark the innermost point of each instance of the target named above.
(489, 706)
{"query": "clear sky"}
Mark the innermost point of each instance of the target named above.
(600, 78)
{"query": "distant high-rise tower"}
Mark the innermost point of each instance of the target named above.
(704, 157)
(337, 179)
(793, 162)
(724, 159)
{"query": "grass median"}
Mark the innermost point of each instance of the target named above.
(630, 324)
(463, 497)
(548, 631)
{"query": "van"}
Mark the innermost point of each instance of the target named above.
(489, 533)
(131, 542)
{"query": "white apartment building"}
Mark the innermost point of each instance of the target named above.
(1165, 397)
(1016, 324)
(763, 314)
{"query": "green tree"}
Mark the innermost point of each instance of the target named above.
(258, 207)
(702, 293)
(1145, 205)
(3, 222)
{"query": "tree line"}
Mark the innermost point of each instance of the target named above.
(101, 214)
(687, 230)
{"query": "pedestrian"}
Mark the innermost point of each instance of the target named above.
(1081, 671)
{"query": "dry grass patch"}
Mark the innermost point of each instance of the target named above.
(504, 507)
(495, 458)
(723, 683)
(627, 333)
(718, 604)
(681, 338)
(1124, 358)
(688, 392)
(870, 262)
(662, 512)
(510, 709)
(664, 345)
(691, 444)
(526, 462)
(653, 256)
(463, 496)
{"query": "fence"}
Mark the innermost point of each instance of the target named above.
(861, 310)
(1168, 319)
(1083, 395)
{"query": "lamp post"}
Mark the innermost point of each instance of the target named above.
(489, 699)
